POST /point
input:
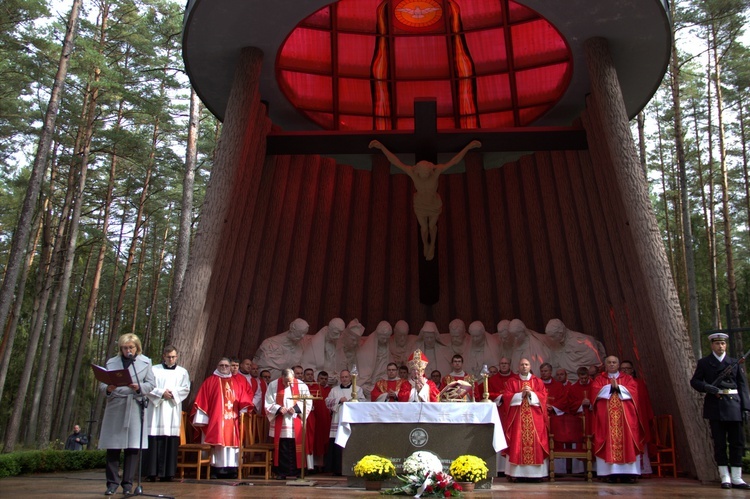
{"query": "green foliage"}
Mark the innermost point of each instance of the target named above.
(50, 461)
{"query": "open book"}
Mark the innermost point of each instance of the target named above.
(117, 377)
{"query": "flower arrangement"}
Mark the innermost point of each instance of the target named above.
(374, 468)
(424, 477)
(469, 469)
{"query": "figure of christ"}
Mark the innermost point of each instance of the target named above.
(427, 202)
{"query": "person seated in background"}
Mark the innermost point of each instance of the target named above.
(265, 375)
(403, 372)
(387, 389)
(437, 379)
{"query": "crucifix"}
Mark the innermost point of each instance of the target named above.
(425, 142)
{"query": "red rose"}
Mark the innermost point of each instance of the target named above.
(447, 493)
(458, 487)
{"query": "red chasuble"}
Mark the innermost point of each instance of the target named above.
(565, 428)
(618, 436)
(322, 419)
(297, 422)
(223, 399)
(526, 430)
(386, 385)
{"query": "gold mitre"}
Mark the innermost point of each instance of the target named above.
(418, 360)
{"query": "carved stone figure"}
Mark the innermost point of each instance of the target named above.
(456, 337)
(528, 344)
(427, 202)
(571, 349)
(438, 353)
(348, 347)
(483, 349)
(283, 350)
(504, 339)
(401, 344)
(374, 355)
(319, 350)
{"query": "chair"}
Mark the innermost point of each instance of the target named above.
(662, 447)
(584, 453)
(192, 456)
(255, 452)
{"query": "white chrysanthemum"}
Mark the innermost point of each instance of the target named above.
(422, 463)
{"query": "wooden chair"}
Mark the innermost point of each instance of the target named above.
(662, 447)
(255, 452)
(192, 456)
(584, 453)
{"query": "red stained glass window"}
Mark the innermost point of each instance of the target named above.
(497, 62)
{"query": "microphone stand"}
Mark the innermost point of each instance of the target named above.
(142, 404)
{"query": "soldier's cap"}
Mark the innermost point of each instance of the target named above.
(718, 337)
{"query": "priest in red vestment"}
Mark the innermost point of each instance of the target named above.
(495, 389)
(285, 413)
(618, 436)
(387, 389)
(565, 427)
(525, 403)
(216, 412)
(579, 403)
(645, 413)
(322, 420)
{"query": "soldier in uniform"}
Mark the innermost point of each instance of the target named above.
(723, 381)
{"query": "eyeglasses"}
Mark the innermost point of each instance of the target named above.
(223, 365)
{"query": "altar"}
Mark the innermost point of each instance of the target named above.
(397, 429)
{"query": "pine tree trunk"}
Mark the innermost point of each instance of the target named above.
(715, 305)
(88, 320)
(728, 251)
(10, 333)
(186, 209)
(642, 142)
(23, 229)
(687, 230)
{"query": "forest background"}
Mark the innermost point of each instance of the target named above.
(105, 153)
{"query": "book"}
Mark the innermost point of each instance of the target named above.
(117, 377)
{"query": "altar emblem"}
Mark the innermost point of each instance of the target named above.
(418, 437)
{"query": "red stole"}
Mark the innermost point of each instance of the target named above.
(296, 423)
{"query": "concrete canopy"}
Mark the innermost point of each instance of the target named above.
(638, 32)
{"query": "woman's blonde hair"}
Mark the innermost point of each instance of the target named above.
(130, 338)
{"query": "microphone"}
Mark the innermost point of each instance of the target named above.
(130, 355)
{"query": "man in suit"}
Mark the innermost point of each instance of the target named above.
(723, 381)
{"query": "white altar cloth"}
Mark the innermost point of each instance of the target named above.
(420, 412)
